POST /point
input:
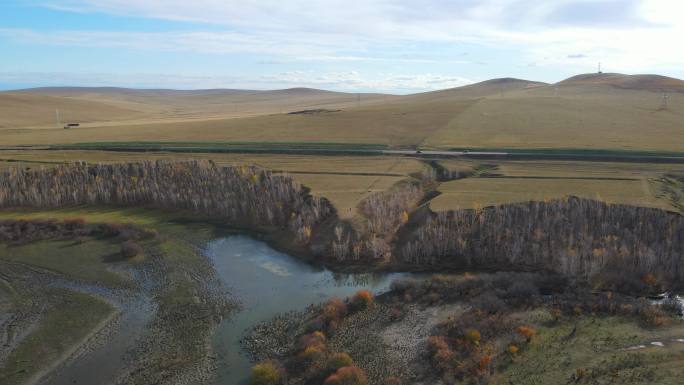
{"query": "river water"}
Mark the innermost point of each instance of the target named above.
(269, 282)
(266, 282)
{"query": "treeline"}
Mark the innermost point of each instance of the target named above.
(383, 212)
(572, 236)
(242, 194)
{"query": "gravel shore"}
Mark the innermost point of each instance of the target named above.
(386, 340)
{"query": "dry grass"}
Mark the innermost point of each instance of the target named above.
(111, 106)
(567, 169)
(399, 124)
(607, 119)
(482, 192)
(18, 110)
(520, 181)
(524, 115)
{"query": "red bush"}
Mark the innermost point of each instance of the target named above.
(332, 313)
(130, 249)
(348, 375)
(74, 223)
(436, 343)
(484, 363)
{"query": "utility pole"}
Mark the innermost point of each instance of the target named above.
(599, 68)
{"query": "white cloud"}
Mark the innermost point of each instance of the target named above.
(568, 36)
(350, 81)
(630, 34)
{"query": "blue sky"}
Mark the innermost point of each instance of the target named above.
(396, 46)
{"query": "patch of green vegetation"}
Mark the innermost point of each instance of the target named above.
(239, 143)
(63, 326)
(573, 152)
(82, 261)
(180, 255)
(139, 216)
(592, 350)
(319, 148)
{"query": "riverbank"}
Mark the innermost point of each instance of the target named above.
(164, 311)
(493, 331)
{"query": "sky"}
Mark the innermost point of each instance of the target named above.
(394, 46)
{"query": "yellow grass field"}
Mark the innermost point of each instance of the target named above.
(575, 119)
(482, 192)
(519, 181)
(614, 113)
(113, 106)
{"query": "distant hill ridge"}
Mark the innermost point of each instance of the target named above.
(77, 91)
(635, 82)
(647, 82)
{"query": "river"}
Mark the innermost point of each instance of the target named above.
(268, 282)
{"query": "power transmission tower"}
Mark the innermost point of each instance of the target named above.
(664, 101)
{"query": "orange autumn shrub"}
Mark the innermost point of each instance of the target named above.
(312, 353)
(334, 310)
(347, 375)
(316, 338)
(526, 331)
(363, 299)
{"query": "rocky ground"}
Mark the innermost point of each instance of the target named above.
(385, 340)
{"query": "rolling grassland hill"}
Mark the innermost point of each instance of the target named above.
(588, 112)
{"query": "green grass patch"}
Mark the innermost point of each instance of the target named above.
(595, 353)
(82, 261)
(315, 148)
(573, 152)
(63, 326)
(140, 216)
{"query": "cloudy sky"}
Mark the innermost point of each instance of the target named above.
(397, 46)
